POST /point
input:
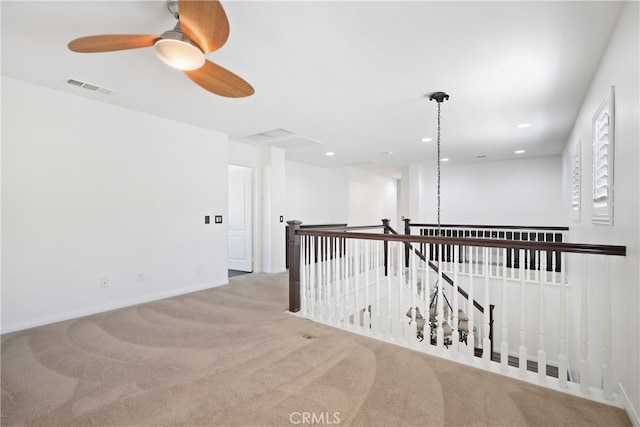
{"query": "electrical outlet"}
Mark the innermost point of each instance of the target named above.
(140, 277)
(199, 269)
(104, 282)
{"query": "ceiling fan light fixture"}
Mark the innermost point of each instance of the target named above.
(178, 51)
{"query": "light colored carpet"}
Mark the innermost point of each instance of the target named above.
(232, 356)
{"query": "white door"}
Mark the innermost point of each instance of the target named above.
(240, 218)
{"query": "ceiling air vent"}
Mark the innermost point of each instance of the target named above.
(269, 136)
(89, 86)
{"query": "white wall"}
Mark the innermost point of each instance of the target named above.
(409, 195)
(310, 197)
(274, 206)
(317, 195)
(90, 190)
(339, 184)
(619, 68)
(372, 197)
(241, 154)
(510, 192)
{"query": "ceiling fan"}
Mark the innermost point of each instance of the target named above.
(202, 28)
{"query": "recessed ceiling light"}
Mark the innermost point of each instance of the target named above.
(444, 160)
(519, 151)
(329, 153)
(427, 139)
(523, 125)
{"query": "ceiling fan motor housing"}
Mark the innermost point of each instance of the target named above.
(178, 50)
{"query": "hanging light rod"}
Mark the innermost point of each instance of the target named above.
(438, 96)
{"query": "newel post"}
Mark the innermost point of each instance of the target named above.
(407, 231)
(407, 225)
(385, 223)
(293, 243)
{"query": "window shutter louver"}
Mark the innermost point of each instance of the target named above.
(576, 172)
(603, 162)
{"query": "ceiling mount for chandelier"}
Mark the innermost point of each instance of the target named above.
(439, 97)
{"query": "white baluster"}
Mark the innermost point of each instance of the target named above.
(542, 354)
(303, 276)
(486, 342)
(554, 266)
(367, 303)
(401, 314)
(319, 287)
(607, 369)
(427, 283)
(376, 322)
(327, 280)
(488, 264)
(455, 336)
(522, 349)
(584, 332)
(358, 305)
(537, 262)
(312, 278)
(504, 342)
(512, 270)
(562, 333)
(414, 303)
(335, 302)
(476, 257)
(331, 283)
(348, 244)
(440, 311)
(425, 277)
(470, 312)
(389, 328)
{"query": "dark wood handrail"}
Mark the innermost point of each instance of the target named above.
(583, 248)
(344, 227)
(493, 227)
(340, 225)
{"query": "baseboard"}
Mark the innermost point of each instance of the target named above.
(274, 271)
(628, 407)
(107, 307)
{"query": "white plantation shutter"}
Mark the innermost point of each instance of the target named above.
(576, 172)
(601, 159)
(603, 162)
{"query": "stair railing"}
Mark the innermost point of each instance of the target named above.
(417, 252)
(346, 287)
(533, 266)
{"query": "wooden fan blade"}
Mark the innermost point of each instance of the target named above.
(111, 42)
(205, 22)
(220, 81)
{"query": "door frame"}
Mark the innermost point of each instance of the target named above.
(254, 222)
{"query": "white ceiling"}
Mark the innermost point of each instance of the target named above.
(348, 77)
